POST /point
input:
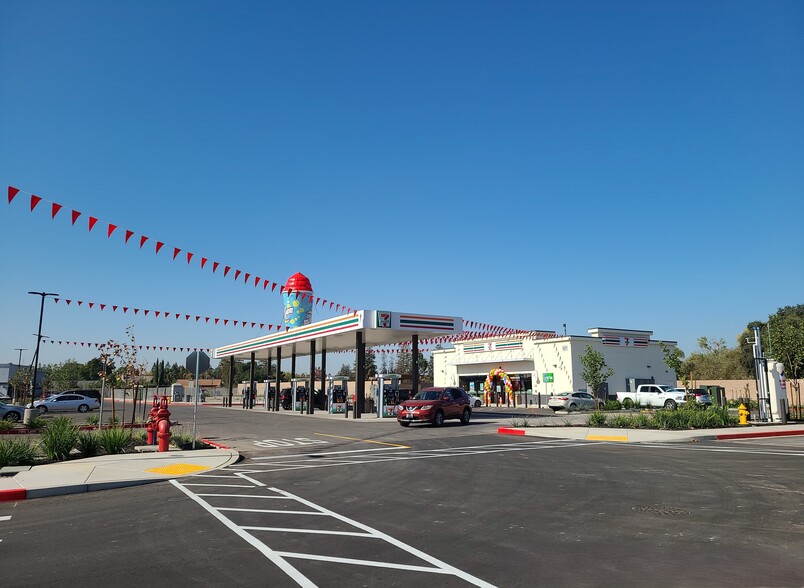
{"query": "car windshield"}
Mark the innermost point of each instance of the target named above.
(428, 395)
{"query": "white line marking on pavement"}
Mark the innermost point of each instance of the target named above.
(269, 553)
(247, 479)
(246, 496)
(718, 449)
(395, 542)
(325, 453)
(367, 562)
(222, 485)
(289, 512)
(5, 518)
(313, 531)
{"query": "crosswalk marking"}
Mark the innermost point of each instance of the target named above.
(431, 564)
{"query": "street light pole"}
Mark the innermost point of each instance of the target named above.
(29, 411)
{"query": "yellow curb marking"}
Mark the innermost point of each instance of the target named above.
(178, 469)
(621, 438)
(365, 440)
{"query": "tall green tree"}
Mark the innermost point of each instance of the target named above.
(715, 360)
(674, 359)
(595, 371)
(66, 375)
(786, 342)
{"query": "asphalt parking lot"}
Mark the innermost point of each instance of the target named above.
(326, 502)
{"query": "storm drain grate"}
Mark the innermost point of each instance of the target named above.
(662, 510)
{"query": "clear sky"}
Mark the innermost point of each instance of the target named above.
(526, 164)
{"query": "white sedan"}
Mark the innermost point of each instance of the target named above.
(572, 401)
(66, 403)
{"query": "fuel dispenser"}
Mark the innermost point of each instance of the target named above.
(338, 394)
(387, 394)
(298, 392)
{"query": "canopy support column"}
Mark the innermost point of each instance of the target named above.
(414, 340)
(360, 395)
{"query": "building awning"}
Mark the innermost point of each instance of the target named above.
(378, 328)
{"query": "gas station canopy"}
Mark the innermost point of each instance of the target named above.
(378, 327)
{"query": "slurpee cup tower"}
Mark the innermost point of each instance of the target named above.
(298, 298)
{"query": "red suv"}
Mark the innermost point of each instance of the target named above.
(435, 405)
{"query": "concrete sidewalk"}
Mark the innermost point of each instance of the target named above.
(109, 471)
(655, 435)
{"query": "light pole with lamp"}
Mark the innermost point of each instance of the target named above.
(19, 367)
(29, 411)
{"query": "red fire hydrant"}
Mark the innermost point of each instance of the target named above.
(150, 427)
(163, 424)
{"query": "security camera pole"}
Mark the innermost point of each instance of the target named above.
(29, 411)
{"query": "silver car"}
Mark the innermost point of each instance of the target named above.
(10, 412)
(572, 401)
(66, 403)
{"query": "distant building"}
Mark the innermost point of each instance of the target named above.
(7, 371)
(545, 363)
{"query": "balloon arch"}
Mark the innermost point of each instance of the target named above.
(497, 373)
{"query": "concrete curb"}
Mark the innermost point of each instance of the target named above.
(645, 435)
(109, 472)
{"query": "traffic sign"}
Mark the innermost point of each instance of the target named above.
(548, 377)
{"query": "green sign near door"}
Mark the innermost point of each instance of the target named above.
(547, 378)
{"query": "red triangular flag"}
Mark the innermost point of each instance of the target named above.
(252, 325)
(176, 251)
(159, 246)
(187, 317)
(237, 274)
(273, 286)
(146, 311)
(206, 319)
(80, 302)
(225, 321)
(91, 304)
(125, 309)
(54, 209)
(110, 230)
(136, 310)
(226, 270)
(215, 265)
(34, 201)
(234, 323)
(262, 325)
(157, 313)
(189, 257)
(68, 302)
(216, 320)
(75, 215)
(264, 284)
(177, 316)
(143, 239)
(12, 191)
(92, 221)
(103, 307)
(203, 262)
(56, 300)
(197, 318)
(128, 235)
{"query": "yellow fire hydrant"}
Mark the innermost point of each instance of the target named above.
(743, 412)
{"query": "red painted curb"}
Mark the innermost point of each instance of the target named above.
(15, 494)
(726, 436)
(218, 445)
(510, 431)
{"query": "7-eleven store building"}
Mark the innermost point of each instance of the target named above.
(524, 368)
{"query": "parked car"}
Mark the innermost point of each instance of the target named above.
(435, 405)
(11, 412)
(66, 403)
(88, 392)
(653, 396)
(700, 395)
(572, 401)
(477, 401)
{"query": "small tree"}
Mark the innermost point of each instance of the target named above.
(674, 359)
(595, 371)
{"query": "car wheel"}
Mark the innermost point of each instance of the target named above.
(467, 414)
(572, 407)
(438, 420)
(628, 403)
(12, 416)
(670, 405)
(41, 409)
(83, 408)
(478, 404)
(404, 423)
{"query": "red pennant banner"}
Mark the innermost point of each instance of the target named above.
(203, 262)
(91, 223)
(12, 191)
(237, 274)
(54, 209)
(110, 230)
(34, 201)
(215, 265)
(159, 246)
(143, 239)
(176, 251)
(273, 286)
(226, 270)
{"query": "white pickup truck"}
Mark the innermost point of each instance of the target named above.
(652, 395)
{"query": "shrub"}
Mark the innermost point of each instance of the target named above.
(113, 421)
(612, 405)
(59, 438)
(669, 419)
(621, 421)
(183, 439)
(93, 420)
(17, 452)
(6, 425)
(597, 419)
(115, 440)
(641, 421)
(37, 422)
(89, 443)
(523, 422)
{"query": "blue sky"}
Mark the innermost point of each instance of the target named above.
(525, 164)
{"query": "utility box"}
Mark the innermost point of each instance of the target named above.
(176, 392)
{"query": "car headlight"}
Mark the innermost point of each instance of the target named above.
(426, 407)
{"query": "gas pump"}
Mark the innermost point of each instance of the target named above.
(339, 391)
(298, 392)
(387, 394)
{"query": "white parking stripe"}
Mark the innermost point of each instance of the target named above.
(289, 512)
(222, 485)
(247, 479)
(312, 531)
(367, 562)
(244, 496)
(326, 453)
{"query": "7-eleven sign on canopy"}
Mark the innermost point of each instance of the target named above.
(383, 319)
